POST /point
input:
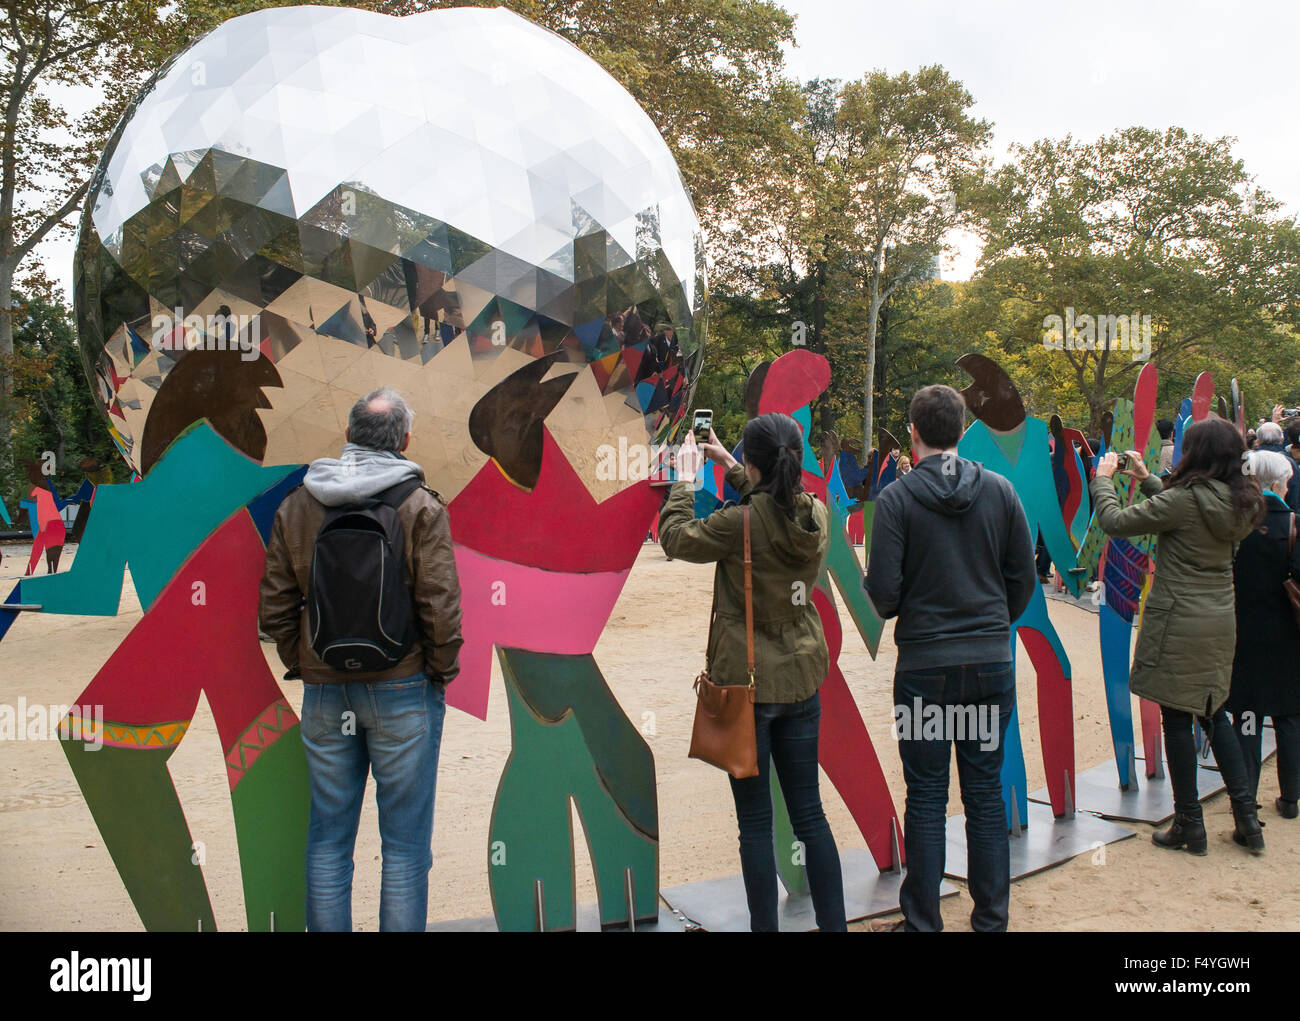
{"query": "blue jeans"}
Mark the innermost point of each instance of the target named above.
(787, 735)
(982, 696)
(394, 728)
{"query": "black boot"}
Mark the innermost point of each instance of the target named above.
(1287, 809)
(1247, 832)
(1187, 830)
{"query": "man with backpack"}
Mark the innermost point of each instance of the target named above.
(361, 597)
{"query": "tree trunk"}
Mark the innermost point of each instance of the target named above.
(825, 413)
(882, 346)
(1096, 408)
(868, 384)
(6, 365)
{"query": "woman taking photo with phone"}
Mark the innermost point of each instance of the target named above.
(1183, 659)
(790, 534)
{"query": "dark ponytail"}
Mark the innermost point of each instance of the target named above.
(773, 444)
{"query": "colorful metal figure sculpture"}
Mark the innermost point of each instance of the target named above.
(49, 533)
(1124, 568)
(570, 738)
(1006, 440)
(1192, 409)
(1238, 407)
(855, 486)
(885, 462)
(1069, 447)
(422, 250)
(197, 581)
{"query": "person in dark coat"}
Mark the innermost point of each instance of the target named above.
(1272, 437)
(1266, 667)
(1166, 430)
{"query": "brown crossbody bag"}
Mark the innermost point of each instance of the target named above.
(1291, 585)
(723, 734)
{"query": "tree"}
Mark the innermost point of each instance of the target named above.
(741, 335)
(909, 146)
(1158, 224)
(801, 234)
(54, 412)
(711, 77)
(708, 74)
(44, 44)
(922, 334)
(103, 47)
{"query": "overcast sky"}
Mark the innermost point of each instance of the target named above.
(1041, 69)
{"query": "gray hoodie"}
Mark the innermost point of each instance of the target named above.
(952, 558)
(359, 474)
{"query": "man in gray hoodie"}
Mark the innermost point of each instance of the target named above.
(951, 558)
(386, 721)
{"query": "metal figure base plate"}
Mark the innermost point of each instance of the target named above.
(1268, 745)
(1044, 842)
(1085, 602)
(719, 905)
(1153, 801)
(588, 921)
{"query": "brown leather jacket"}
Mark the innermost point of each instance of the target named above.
(430, 571)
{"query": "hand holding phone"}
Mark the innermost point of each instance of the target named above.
(690, 459)
(702, 424)
(716, 452)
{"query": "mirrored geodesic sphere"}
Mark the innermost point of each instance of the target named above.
(339, 200)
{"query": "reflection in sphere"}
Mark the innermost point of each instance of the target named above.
(323, 201)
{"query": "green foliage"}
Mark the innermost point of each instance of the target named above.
(709, 74)
(741, 335)
(52, 408)
(1162, 223)
(826, 205)
(855, 214)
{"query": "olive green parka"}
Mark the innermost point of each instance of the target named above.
(1185, 646)
(790, 656)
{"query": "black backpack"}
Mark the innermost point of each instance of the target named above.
(360, 614)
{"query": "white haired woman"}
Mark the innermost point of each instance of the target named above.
(1266, 667)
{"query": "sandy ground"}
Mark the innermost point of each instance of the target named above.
(55, 873)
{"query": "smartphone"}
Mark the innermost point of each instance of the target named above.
(1121, 463)
(1290, 412)
(702, 425)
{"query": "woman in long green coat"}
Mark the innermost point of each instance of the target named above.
(790, 534)
(1183, 659)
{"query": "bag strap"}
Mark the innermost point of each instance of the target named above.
(749, 601)
(394, 496)
(708, 665)
(749, 604)
(1290, 539)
